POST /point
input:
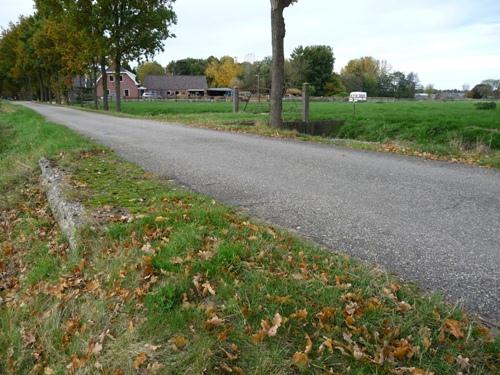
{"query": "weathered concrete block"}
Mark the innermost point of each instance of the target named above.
(71, 216)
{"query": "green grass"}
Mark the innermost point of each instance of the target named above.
(451, 130)
(171, 280)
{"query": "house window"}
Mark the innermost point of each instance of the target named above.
(111, 78)
(107, 92)
(121, 78)
(126, 93)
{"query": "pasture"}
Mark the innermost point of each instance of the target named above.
(425, 123)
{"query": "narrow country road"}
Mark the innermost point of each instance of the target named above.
(434, 223)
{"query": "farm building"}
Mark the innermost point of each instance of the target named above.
(129, 87)
(170, 86)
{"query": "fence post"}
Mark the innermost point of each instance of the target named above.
(236, 99)
(305, 102)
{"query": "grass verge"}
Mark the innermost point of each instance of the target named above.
(172, 282)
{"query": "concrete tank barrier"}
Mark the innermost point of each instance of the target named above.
(71, 216)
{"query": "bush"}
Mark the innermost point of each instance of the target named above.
(486, 105)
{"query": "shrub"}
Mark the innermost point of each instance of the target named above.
(486, 105)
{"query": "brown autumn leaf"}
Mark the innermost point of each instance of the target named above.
(28, 337)
(155, 368)
(425, 334)
(300, 359)
(229, 355)
(403, 349)
(8, 249)
(178, 342)
(277, 320)
(76, 363)
(139, 360)
(327, 343)
(94, 349)
(207, 288)
(92, 286)
(453, 326)
(325, 314)
(259, 336)
(299, 314)
(213, 322)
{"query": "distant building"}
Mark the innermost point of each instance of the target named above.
(129, 87)
(220, 91)
(450, 95)
(422, 96)
(172, 86)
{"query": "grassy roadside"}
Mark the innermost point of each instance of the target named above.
(456, 132)
(172, 282)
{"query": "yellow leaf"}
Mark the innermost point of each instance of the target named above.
(300, 359)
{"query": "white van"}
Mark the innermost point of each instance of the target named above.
(358, 96)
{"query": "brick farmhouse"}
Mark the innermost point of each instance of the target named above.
(130, 88)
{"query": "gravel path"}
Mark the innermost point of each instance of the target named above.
(434, 223)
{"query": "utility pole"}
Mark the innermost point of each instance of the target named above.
(258, 86)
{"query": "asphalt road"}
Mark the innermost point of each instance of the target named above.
(434, 223)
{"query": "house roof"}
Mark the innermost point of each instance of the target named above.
(165, 82)
(123, 71)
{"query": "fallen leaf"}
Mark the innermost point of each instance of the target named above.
(178, 342)
(213, 322)
(453, 326)
(155, 368)
(28, 337)
(229, 355)
(309, 344)
(92, 286)
(94, 348)
(327, 343)
(300, 314)
(425, 334)
(277, 320)
(300, 359)
(464, 363)
(139, 360)
(207, 288)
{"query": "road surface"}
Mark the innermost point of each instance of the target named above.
(433, 223)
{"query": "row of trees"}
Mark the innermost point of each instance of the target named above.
(40, 55)
(312, 64)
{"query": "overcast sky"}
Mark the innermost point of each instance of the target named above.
(447, 42)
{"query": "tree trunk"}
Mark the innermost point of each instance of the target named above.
(118, 69)
(94, 84)
(104, 81)
(278, 74)
(41, 96)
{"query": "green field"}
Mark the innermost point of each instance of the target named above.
(451, 129)
(438, 123)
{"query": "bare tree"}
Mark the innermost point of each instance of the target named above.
(278, 75)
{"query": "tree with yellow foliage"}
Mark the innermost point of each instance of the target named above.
(224, 72)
